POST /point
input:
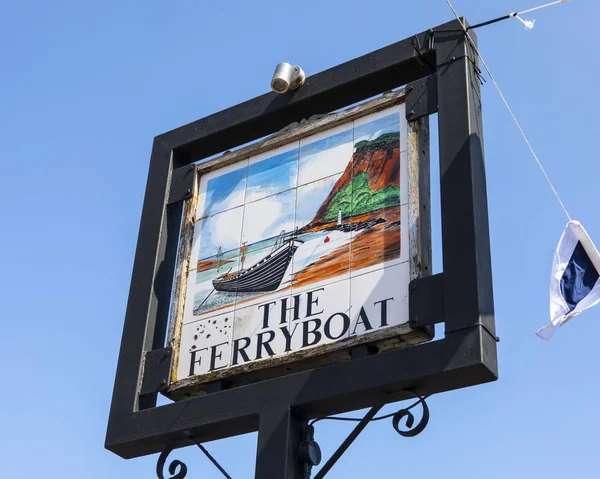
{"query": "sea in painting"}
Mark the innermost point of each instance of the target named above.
(320, 209)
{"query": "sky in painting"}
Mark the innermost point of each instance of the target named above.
(268, 189)
(86, 86)
(267, 211)
(266, 218)
(225, 191)
(272, 175)
(325, 156)
(311, 197)
(220, 230)
(374, 129)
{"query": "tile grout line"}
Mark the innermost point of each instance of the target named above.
(296, 188)
(239, 263)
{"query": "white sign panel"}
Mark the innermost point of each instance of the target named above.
(299, 250)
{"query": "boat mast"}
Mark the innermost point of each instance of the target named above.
(219, 258)
(243, 250)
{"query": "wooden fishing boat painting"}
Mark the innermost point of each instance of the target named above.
(264, 276)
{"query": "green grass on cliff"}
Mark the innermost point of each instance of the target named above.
(357, 198)
(385, 141)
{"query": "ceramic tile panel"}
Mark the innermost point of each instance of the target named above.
(219, 234)
(205, 346)
(376, 165)
(215, 254)
(321, 314)
(404, 178)
(222, 189)
(299, 248)
(325, 250)
(381, 245)
(272, 172)
(267, 247)
(266, 219)
(379, 299)
(261, 330)
(376, 124)
(379, 186)
(325, 154)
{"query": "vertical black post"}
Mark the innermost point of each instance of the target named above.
(468, 298)
(150, 285)
(279, 436)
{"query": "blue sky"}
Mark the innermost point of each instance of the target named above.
(84, 89)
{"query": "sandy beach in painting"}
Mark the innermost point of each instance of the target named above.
(367, 247)
(301, 216)
(209, 264)
(364, 248)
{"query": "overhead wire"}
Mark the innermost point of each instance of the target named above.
(505, 101)
(527, 23)
(542, 6)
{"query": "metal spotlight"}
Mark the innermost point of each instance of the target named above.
(287, 78)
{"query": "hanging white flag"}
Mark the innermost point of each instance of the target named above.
(575, 284)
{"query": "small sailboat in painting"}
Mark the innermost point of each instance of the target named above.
(266, 275)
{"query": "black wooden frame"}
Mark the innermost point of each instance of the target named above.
(439, 68)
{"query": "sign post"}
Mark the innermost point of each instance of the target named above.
(270, 323)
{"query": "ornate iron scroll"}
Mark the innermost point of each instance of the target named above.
(411, 430)
(178, 469)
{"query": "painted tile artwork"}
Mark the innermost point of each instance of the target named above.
(297, 247)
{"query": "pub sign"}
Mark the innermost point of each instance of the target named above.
(299, 251)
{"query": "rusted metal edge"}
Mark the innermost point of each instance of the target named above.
(181, 276)
(419, 204)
